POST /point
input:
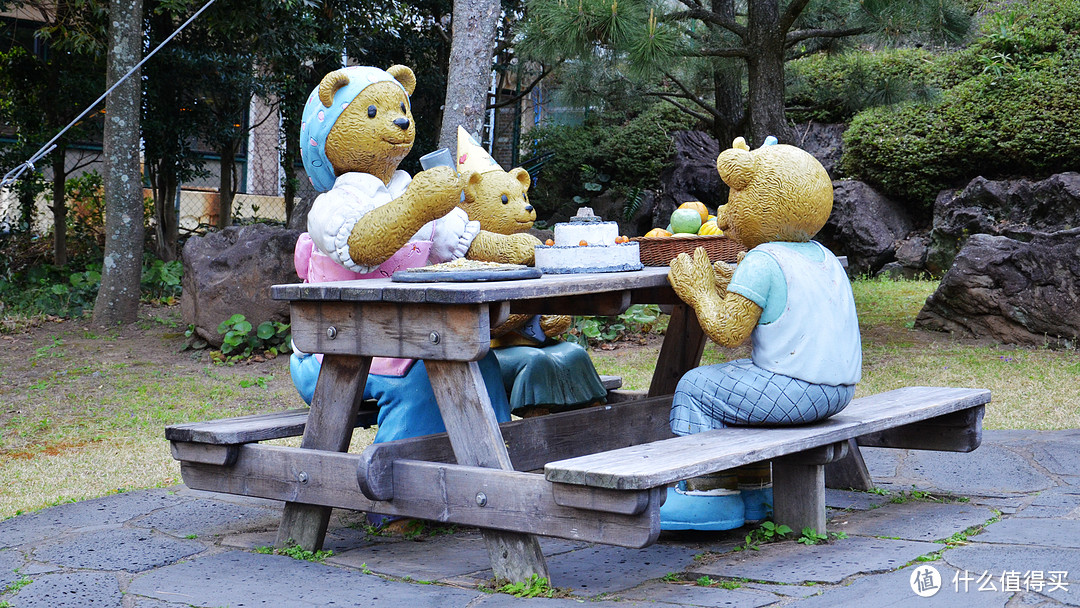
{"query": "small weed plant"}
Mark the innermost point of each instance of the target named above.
(768, 532)
(239, 343)
(535, 586)
(296, 552)
(638, 320)
(811, 536)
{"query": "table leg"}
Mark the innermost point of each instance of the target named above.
(684, 341)
(330, 423)
(475, 437)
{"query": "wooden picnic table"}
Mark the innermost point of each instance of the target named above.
(606, 469)
(448, 326)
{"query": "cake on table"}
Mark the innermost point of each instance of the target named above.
(588, 244)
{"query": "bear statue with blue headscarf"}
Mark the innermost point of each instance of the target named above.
(373, 219)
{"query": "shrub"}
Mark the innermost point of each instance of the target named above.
(1012, 109)
(833, 88)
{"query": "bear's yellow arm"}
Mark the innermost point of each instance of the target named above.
(727, 318)
(504, 248)
(385, 229)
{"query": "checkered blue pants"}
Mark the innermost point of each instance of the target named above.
(739, 393)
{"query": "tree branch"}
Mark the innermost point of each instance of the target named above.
(800, 35)
(690, 95)
(791, 13)
(670, 99)
(728, 52)
(524, 92)
(707, 17)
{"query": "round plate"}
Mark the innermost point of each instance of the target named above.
(464, 276)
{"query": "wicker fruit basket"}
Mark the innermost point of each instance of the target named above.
(659, 251)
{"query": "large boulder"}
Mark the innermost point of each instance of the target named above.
(1016, 208)
(231, 271)
(825, 143)
(1014, 291)
(691, 176)
(865, 226)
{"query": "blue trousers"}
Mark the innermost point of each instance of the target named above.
(739, 393)
(407, 406)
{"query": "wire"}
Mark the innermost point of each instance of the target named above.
(14, 174)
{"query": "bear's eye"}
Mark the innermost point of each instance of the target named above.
(505, 199)
(372, 111)
(403, 110)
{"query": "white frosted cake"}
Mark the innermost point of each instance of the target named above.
(587, 244)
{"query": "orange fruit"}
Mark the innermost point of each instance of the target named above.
(657, 232)
(583, 243)
(549, 242)
(699, 207)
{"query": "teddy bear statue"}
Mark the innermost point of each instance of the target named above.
(373, 219)
(541, 374)
(789, 294)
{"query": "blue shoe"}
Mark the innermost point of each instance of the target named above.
(757, 503)
(701, 510)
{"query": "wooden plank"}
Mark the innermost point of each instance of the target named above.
(849, 472)
(416, 331)
(607, 304)
(664, 462)
(600, 499)
(338, 395)
(550, 285)
(476, 439)
(515, 501)
(532, 442)
(241, 429)
(220, 455)
(956, 432)
(681, 351)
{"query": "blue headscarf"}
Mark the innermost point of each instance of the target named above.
(318, 120)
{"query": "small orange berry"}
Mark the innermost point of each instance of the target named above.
(583, 243)
(549, 242)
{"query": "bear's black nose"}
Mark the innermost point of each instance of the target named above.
(528, 208)
(402, 122)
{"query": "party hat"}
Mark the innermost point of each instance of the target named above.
(471, 156)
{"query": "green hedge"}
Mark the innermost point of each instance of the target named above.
(1014, 110)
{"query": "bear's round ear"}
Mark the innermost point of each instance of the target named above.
(403, 75)
(330, 84)
(736, 167)
(522, 176)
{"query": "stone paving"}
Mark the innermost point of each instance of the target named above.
(1010, 511)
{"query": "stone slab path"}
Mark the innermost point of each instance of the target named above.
(999, 526)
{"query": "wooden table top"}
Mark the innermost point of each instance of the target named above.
(549, 285)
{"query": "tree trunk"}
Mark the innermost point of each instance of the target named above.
(727, 89)
(167, 230)
(225, 185)
(469, 77)
(765, 73)
(59, 206)
(290, 128)
(118, 299)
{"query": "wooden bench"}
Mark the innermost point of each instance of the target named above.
(597, 487)
(948, 419)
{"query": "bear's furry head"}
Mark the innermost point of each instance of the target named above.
(778, 193)
(358, 120)
(500, 201)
